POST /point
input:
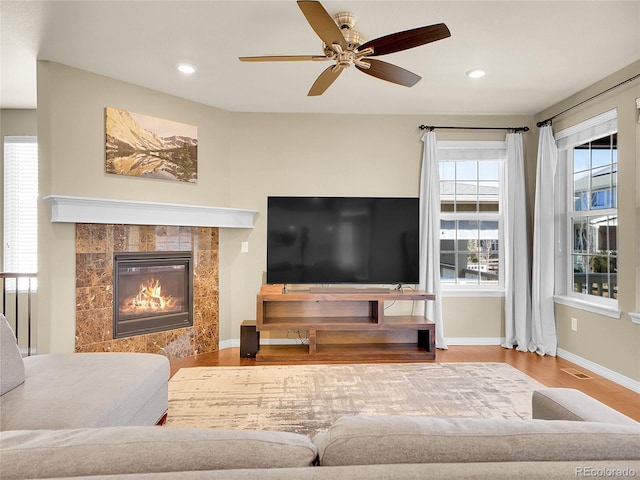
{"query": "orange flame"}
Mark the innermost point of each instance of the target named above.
(150, 299)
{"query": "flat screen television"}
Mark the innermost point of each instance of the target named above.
(342, 240)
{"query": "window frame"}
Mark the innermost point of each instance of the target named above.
(478, 151)
(567, 140)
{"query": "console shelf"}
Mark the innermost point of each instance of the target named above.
(368, 334)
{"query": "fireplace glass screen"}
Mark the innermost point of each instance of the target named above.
(153, 292)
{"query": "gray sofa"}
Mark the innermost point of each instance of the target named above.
(571, 435)
(578, 437)
(77, 390)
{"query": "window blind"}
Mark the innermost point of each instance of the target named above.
(471, 150)
(596, 127)
(20, 206)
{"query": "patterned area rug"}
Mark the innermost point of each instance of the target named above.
(308, 398)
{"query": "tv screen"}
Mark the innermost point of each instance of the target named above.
(324, 240)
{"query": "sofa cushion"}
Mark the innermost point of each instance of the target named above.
(124, 450)
(361, 440)
(11, 364)
(77, 390)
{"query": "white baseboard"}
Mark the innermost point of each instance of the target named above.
(235, 342)
(474, 340)
(279, 341)
(616, 377)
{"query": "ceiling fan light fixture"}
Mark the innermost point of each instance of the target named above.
(476, 73)
(345, 20)
(187, 69)
(354, 38)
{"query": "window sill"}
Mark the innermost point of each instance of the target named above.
(472, 292)
(605, 310)
(635, 317)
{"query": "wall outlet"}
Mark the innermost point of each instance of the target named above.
(244, 247)
(574, 324)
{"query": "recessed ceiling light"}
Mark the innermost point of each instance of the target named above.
(187, 69)
(476, 73)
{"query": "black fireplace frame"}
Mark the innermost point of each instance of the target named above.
(123, 328)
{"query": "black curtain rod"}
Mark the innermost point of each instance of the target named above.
(550, 119)
(515, 129)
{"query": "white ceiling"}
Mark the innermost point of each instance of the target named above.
(536, 53)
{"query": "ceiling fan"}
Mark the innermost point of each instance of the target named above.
(345, 48)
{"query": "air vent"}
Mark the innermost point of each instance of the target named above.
(577, 373)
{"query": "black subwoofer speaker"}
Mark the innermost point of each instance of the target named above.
(249, 339)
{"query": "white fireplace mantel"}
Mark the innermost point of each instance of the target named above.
(68, 209)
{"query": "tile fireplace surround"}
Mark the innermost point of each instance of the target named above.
(95, 245)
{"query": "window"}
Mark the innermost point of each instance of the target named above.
(470, 218)
(593, 217)
(589, 151)
(20, 208)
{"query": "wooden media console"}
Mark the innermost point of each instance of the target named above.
(344, 326)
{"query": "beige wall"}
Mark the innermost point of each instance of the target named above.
(349, 155)
(611, 343)
(479, 319)
(18, 123)
(71, 134)
(243, 158)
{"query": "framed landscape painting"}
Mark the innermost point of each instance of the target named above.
(142, 146)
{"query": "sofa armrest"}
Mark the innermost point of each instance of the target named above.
(571, 404)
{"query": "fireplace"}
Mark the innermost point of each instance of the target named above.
(152, 292)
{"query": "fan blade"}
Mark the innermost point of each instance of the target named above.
(390, 73)
(322, 23)
(399, 41)
(283, 58)
(325, 80)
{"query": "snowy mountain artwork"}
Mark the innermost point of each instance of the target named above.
(143, 146)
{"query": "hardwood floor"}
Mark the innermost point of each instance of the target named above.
(547, 370)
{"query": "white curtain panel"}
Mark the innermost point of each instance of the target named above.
(543, 324)
(517, 302)
(430, 234)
